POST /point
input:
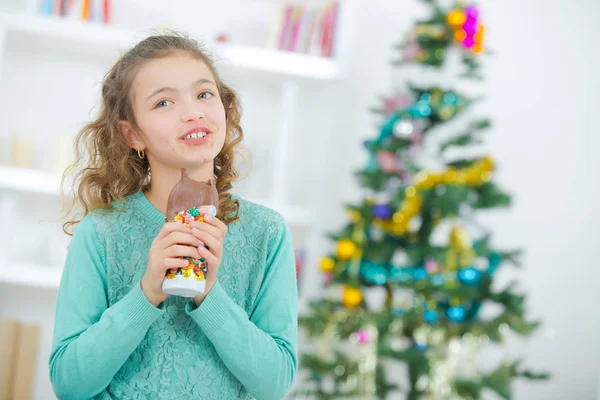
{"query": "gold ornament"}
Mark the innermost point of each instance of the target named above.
(327, 264)
(354, 215)
(352, 297)
(461, 249)
(346, 249)
(455, 301)
(456, 18)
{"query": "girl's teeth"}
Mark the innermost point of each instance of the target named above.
(195, 135)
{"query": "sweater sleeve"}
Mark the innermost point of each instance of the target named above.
(259, 350)
(92, 340)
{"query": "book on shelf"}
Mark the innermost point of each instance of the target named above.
(18, 355)
(303, 28)
(84, 10)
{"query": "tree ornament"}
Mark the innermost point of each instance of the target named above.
(351, 297)
(346, 249)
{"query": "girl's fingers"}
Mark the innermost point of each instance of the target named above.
(217, 223)
(205, 227)
(175, 263)
(210, 258)
(179, 238)
(182, 251)
(209, 241)
(171, 227)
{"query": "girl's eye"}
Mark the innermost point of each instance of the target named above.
(163, 103)
(205, 95)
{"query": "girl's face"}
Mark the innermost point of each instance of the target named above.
(179, 113)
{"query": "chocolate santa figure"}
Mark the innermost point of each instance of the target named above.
(189, 201)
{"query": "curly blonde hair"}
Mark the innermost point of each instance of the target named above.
(106, 169)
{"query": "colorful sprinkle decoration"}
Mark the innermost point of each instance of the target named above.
(195, 268)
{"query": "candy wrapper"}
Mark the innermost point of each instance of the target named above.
(189, 201)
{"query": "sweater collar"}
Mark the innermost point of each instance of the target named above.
(141, 203)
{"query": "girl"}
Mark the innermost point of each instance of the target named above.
(117, 335)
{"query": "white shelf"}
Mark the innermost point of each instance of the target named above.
(41, 276)
(29, 180)
(54, 33)
(36, 181)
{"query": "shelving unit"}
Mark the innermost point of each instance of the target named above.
(38, 276)
(105, 41)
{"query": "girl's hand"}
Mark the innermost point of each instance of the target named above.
(212, 235)
(173, 241)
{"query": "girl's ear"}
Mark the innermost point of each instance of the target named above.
(130, 136)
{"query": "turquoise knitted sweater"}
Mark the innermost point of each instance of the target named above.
(111, 343)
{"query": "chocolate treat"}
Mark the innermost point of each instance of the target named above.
(188, 193)
(189, 201)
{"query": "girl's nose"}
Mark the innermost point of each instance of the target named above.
(191, 110)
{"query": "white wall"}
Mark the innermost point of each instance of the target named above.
(542, 94)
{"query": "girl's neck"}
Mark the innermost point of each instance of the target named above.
(163, 181)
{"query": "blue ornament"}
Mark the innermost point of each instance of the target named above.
(469, 276)
(382, 211)
(495, 260)
(419, 273)
(398, 312)
(450, 98)
(457, 313)
(420, 346)
(373, 273)
(437, 279)
(400, 274)
(421, 109)
(430, 316)
(425, 97)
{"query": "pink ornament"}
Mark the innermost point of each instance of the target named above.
(417, 139)
(469, 42)
(395, 102)
(472, 12)
(328, 277)
(387, 161)
(470, 27)
(431, 266)
(363, 337)
(411, 51)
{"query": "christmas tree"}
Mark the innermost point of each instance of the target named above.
(429, 318)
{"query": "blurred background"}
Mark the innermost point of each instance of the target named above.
(307, 104)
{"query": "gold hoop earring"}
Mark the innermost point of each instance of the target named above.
(141, 154)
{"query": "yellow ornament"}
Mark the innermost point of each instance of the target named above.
(352, 297)
(446, 112)
(459, 239)
(456, 17)
(410, 191)
(354, 215)
(461, 249)
(455, 301)
(346, 249)
(327, 264)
